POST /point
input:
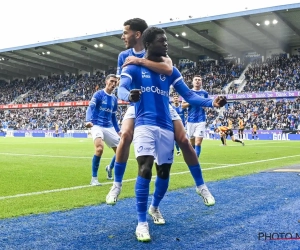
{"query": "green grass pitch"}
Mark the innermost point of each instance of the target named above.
(41, 175)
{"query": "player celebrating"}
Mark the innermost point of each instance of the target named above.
(224, 132)
(153, 133)
(101, 118)
(196, 119)
(132, 36)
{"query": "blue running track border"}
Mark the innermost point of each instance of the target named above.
(249, 213)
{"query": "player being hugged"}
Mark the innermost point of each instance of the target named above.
(153, 132)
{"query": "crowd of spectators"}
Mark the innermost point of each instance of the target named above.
(214, 76)
(276, 74)
(81, 88)
(265, 114)
(70, 118)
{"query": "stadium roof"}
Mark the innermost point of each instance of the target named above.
(233, 34)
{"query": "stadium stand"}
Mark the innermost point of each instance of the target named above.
(239, 65)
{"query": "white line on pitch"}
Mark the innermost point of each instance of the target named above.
(129, 180)
(79, 157)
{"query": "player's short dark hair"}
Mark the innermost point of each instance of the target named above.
(136, 24)
(150, 33)
(109, 76)
(197, 76)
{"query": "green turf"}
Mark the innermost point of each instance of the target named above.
(34, 170)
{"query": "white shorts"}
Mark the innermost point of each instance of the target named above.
(108, 135)
(174, 114)
(130, 113)
(196, 129)
(155, 141)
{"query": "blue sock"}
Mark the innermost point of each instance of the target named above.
(177, 147)
(119, 171)
(198, 150)
(95, 165)
(142, 187)
(112, 162)
(161, 187)
(197, 174)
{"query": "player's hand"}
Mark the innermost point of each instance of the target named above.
(220, 101)
(131, 60)
(89, 124)
(135, 95)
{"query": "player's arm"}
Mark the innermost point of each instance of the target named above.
(188, 95)
(90, 111)
(126, 83)
(119, 65)
(114, 117)
(185, 104)
(165, 67)
(115, 122)
(124, 87)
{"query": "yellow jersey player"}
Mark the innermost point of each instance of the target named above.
(230, 126)
(224, 132)
(241, 128)
(254, 132)
(56, 130)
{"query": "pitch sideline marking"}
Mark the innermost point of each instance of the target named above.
(129, 180)
(82, 157)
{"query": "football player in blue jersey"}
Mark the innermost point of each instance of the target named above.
(101, 118)
(181, 112)
(132, 36)
(196, 119)
(153, 133)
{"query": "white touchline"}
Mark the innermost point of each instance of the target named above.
(77, 157)
(129, 180)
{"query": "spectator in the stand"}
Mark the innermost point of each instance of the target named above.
(277, 73)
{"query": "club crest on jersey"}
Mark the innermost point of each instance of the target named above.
(145, 74)
(162, 77)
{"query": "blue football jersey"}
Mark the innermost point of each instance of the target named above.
(196, 113)
(102, 109)
(153, 107)
(124, 54)
(180, 111)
